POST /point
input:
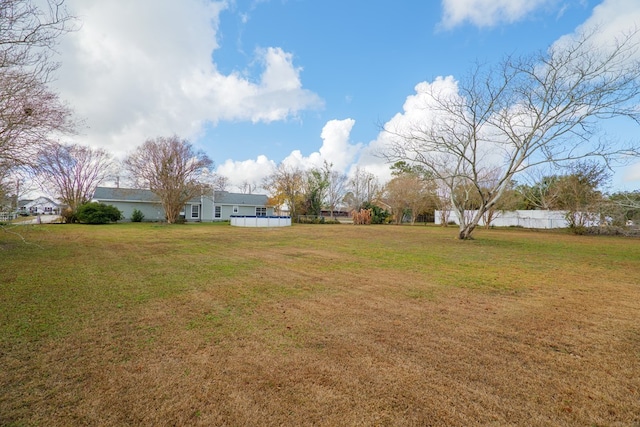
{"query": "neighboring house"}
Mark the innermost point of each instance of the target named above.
(39, 206)
(21, 206)
(218, 206)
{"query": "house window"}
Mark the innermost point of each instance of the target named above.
(235, 209)
(261, 211)
(218, 213)
(195, 211)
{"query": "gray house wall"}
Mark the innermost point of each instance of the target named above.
(205, 209)
(151, 211)
(148, 203)
(226, 211)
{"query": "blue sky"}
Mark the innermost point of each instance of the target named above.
(257, 82)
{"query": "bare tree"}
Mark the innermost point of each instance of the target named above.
(409, 192)
(363, 187)
(214, 180)
(72, 172)
(336, 189)
(14, 185)
(537, 191)
(286, 187)
(247, 187)
(171, 168)
(220, 182)
(525, 112)
(6, 202)
(627, 206)
(30, 113)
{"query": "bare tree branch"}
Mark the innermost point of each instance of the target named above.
(525, 112)
(171, 168)
(72, 172)
(31, 115)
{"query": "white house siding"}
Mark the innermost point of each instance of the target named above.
(41, 205)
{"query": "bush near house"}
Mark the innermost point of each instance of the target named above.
(137, 216)
(98, 213)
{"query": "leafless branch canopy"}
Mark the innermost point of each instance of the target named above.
(31, 115)
(72, 172)
(525, 112)
(171, 168)
(286, 187)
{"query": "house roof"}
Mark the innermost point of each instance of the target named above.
(226, 198)
(125, 195)
(41, 201)
(140, 195)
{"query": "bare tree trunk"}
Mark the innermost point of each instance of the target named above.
(468, 225)
(465, 231)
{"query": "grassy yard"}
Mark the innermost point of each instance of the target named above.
(147, 324)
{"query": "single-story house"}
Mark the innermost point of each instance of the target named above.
(210, 206)
(40, 206)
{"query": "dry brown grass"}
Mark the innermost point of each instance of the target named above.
(319, 325)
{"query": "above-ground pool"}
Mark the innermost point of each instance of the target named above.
(260, 221)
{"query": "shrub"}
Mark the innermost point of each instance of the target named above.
(378, 215)
(312, 219)
(137, 216)
(98, 213)
(68, 216)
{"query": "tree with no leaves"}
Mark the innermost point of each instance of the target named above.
(336, 189)
(171, 168)
(72, 172)
(526, 112)
(30, 113)
(363, 187)
(286, 187)
(627, 204)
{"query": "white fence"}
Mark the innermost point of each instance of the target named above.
(8, 216)
(526, 219)
(260, 221)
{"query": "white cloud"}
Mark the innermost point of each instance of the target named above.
(142, 69)
(249, 171)
(335, 149)
(487, 13)
(416, 112)
(631, 174)
(611, 18)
